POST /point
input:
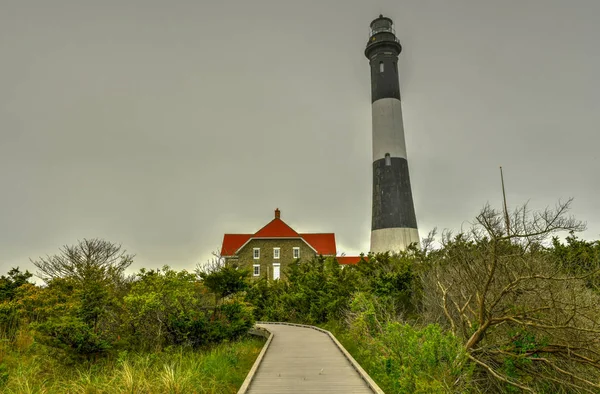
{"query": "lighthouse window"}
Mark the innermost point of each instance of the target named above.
(388, 159)
(380, 67)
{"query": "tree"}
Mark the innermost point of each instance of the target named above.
(165, 307)
(85, 278)
(392, 278)
(525, 320)
(10, 283)
(223, 279)
(88, 260)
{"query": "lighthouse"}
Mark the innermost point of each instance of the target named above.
(394, 223)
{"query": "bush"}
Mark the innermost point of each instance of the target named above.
(403, 358)
(167, 308)
(232, 320)
(72, 335)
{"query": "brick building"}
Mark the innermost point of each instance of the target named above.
(271, 249)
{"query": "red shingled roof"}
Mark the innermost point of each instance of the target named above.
(350, 260)
(276, 228)
(232, 242)
(323, 243)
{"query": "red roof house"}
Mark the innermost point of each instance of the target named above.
(277, 244)
(321, 243)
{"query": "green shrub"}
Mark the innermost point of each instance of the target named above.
(167, 308)
(400, 357)
(232, 320)
(72, 335)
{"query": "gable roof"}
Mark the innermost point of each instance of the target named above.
(276, 228)
(321, 243)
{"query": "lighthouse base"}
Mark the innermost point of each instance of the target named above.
(393, 239)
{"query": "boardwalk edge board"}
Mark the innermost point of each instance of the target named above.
(261, 331)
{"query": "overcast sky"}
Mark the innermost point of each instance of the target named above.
(162, 125)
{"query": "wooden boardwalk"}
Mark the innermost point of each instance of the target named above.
(300, 359)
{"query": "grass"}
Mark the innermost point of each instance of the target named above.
(407, 359)
(221, 369)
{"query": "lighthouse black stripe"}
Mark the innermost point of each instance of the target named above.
(392, 196)
(384, 84)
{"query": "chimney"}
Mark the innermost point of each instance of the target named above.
(277, 213)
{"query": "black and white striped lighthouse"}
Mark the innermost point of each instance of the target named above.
(394, 223)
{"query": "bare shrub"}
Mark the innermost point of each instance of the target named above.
(524, 320)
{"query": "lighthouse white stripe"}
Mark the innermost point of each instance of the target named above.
(393, 239)
(388, 129)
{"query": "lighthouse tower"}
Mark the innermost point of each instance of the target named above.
(394, 223)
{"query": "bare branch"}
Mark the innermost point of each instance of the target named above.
(497, 375)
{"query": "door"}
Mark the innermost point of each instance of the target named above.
(276, 270)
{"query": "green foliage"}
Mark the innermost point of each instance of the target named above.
(403, 358)
(9, 284)
(89, 312)
(320, 290)
(393, 280)
(265, 297)
(579, 256)
(161, 308)
(74, 320)
(77, 313)
(89, 309)
(232, 320)
(10, 287)
(226, 280)
(167, 308)
(72, 335)
(314, 291)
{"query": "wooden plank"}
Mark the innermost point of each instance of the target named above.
(304, 360)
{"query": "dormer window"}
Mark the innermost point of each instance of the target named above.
(388, 160)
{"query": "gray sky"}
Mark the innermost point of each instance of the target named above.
(162, 125)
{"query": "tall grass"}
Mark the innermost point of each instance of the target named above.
(409, 360)
(221, 369)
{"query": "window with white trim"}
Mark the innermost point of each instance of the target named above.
(276, 253)
(380, 67)
(296, 252)
(256, 269)
(256, 253)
